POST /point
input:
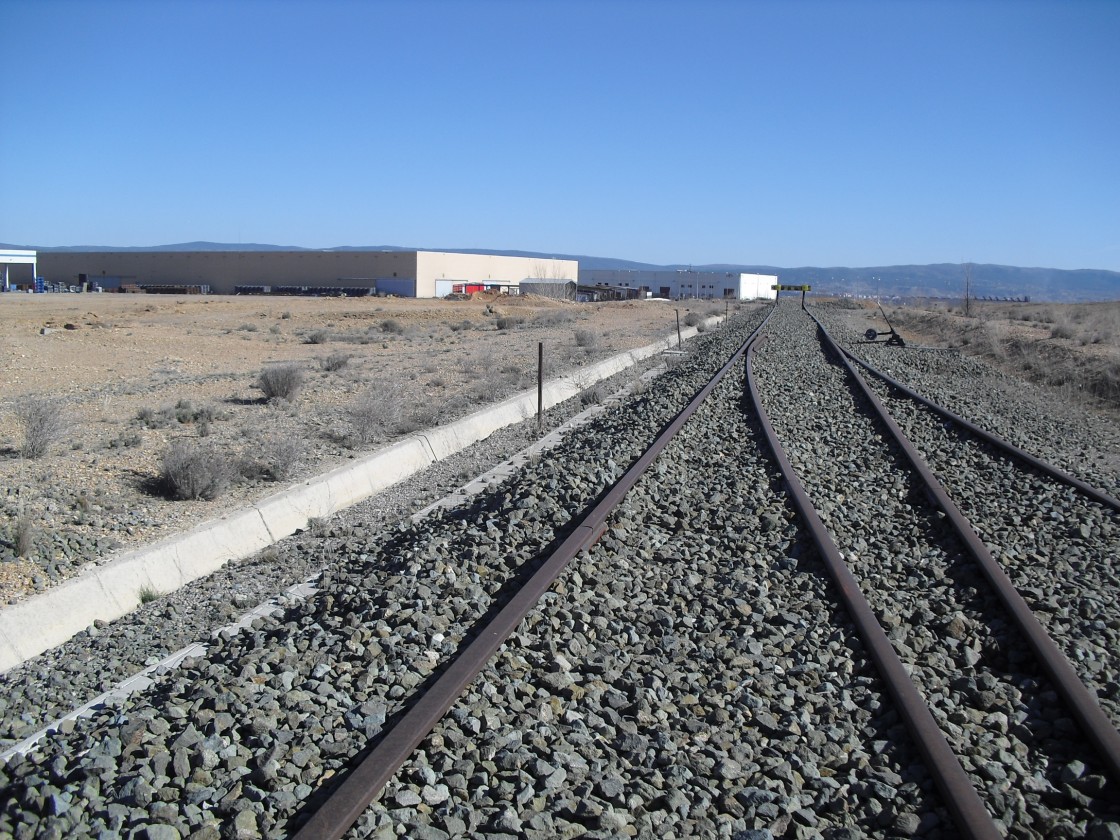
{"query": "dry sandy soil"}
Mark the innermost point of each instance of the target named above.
(135, 373)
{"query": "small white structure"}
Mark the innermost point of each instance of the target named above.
(685, 283)
(10, 257)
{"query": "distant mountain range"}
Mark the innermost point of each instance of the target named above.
(937, 280)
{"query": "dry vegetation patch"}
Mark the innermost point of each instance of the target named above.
(1074, 348)
(220, 398)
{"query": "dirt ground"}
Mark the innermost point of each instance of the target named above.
(133, 374)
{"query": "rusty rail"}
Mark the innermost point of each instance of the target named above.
(1099, 731)
(960, 794)
(347, 802)
(995, 440)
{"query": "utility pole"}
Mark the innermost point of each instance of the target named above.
(968, 290)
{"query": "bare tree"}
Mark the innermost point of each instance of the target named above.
(552, 270)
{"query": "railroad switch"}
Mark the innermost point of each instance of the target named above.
(895, 340)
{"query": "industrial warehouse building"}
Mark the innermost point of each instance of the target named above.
(682, 284)
(17, 269)
(422, 274)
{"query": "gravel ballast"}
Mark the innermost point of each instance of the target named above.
(986, 691)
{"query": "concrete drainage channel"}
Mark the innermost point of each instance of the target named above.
(108, 591)
(144, 678)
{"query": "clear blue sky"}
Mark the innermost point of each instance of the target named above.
(782, 133)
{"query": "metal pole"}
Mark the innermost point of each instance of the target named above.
(540, 385)
(678, 328)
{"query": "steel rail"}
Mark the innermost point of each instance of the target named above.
(995, 440)
(961, 797)
(1099, 731)
(362, 785)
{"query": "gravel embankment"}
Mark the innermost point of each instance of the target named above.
(1005, 723)
(242, 736)
(1058, 547)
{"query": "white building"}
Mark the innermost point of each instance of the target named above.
(685, 283)
(9, 258)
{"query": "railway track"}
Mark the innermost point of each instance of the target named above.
(689, 673)
(998, 707)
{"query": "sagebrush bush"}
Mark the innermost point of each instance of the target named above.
(281, 455)
(41, 421)
(391, 325)
(319, 337)
(692, 319)
(422, 416)
(183, 412)
(593, 395)
(335, 361)
(281, 381)
(508, 322)
(552, 318)
(23, 536)
(375, 413)
(586, 338)
(195, 471)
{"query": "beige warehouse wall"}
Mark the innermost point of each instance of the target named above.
(222, 271)
(486, 268)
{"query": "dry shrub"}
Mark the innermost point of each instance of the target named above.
(593, 395)
(195, 471)
(23, 536)
(41, 421)
(421, 416)
(376, 413)
(280, 457)
(586, 338)
(552, 318)
(281, 382)
(335, 361)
